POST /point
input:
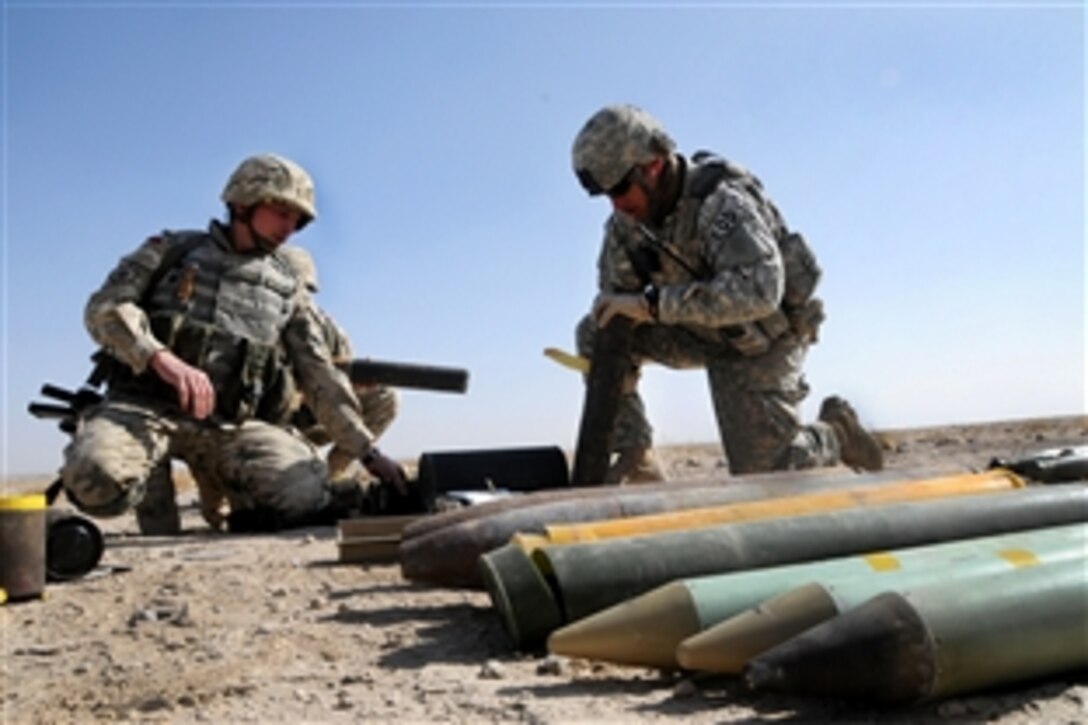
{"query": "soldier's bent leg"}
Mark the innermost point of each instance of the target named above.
(112, 454)
(757, 405)
(267, 468)
(379, 406)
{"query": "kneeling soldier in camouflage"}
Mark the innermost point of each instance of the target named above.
(202, 331)
(702, 262)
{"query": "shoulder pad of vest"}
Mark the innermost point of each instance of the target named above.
(280, 261)
(185, 237)
(708, 170)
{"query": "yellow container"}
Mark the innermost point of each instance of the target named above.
(22, 546)
(960, 485)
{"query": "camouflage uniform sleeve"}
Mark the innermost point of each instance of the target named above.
(327, 389)
(748, 276)
(113, 316)
(337, 339)
(615, 272)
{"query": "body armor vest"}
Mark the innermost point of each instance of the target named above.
(224, 313)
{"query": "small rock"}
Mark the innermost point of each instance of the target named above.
(158, 702)
(550, 665)
(492, 670)
(952, 710)
(356, 680)
(38, 650)
(343, 701)
(142, 615)
(685, 688)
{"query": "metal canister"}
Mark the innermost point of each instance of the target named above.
(73, 547)
(22, 546)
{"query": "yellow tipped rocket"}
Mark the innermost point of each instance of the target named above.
(799, 505)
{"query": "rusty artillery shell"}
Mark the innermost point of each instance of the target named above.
(449, 555)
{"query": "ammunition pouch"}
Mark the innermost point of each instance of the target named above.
(755, 338)
(800, 313)
(248, 377)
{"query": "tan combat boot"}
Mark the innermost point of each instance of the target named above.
(858, 448)
(636, 465)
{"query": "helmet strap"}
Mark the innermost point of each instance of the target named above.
(245, 217)
(263, 243)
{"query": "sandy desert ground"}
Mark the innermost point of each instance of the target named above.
(209, 627)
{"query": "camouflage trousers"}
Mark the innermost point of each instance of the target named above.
(119, 459)
(378, 406)
(756, 399)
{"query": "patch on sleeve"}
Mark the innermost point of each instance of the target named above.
(725, 224)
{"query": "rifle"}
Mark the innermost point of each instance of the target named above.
(406, 375)
(77, 402)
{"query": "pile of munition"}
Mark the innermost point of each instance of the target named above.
(900, 587)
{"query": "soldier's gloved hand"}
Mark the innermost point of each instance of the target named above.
(196, 395)
(385, 469)
(608, 305)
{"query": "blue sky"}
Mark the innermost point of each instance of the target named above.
(933, 154)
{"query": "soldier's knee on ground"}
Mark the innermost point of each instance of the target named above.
(98, 494)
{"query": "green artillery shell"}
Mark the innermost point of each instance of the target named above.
(590, 577)
(940, 640)
(729, 645)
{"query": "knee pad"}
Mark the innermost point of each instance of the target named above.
(99, 495)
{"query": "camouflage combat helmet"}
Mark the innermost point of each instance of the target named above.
(268, 177)
(302, 264)
(614, 141)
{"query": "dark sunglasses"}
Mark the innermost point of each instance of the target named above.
(623, 185)
(589, 183)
